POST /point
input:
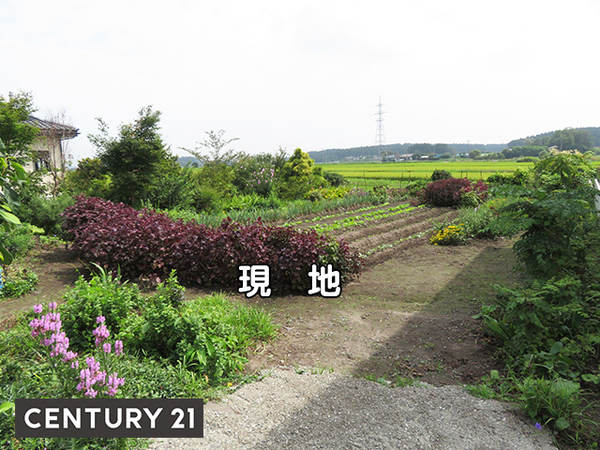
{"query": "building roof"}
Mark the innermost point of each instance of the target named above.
(52, 128)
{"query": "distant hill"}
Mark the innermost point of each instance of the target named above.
(184, 160)
(593, 131)
(338, 154)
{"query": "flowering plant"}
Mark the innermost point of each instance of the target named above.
(65, 363)
(449, 235)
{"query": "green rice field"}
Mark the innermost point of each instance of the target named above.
(372, 174)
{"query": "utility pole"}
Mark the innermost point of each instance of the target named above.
(380, 136)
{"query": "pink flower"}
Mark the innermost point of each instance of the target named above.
(118, 347)
(101, 333)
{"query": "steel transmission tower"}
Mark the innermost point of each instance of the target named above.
(380, 137)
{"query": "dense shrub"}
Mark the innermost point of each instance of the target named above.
(148, 244)
(298, 176)
(20, 239)
(561, 231)
(255, 174)
(44, 212)
(326, 193)
(207, 335)
(104, 295)
(517, 178)
(449, 192)
(551, 328)
(204, 199)
(17, 281)
(335, 179)
(440, 174)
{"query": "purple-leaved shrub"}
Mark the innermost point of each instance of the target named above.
(149, 244)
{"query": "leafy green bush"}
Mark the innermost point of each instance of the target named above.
(551, 328)
(572, 171)
(250, 201)
(205, 199)
(335, 179)
(171, 187)
(416, 186)
(561, 231)
(517, 178)
(20, 239)
(44, 212)
(440, 174)
(486, 222)
(207, 335)
(17, 281)
(89, 178)
(104, 295)
(298, 176)
(326, 193)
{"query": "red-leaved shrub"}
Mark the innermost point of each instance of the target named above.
(449, 192)
(149, 244)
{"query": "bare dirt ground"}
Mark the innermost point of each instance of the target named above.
(410, 313)
(410, 316)
(57, 269)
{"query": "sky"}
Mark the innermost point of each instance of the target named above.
(307, 74)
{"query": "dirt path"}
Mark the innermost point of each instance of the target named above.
(57, 269)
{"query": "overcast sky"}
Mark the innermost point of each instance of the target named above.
(308, 74)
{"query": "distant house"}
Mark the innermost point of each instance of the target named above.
(49, 145)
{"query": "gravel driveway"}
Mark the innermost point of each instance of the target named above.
(287, 410)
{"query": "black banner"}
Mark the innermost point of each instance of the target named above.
(109, 418)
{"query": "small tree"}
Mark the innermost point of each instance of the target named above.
(299, 175)
(134, 157)
(217, 170)
(215, 144)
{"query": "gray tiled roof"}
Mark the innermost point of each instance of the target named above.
(52, 128)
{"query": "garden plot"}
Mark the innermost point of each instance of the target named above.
(379, 232)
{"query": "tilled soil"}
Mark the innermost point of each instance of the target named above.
(380, 240)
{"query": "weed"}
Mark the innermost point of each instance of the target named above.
(400, 381)
(320, 369)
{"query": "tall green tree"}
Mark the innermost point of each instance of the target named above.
(14, 132)
(133, 158)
